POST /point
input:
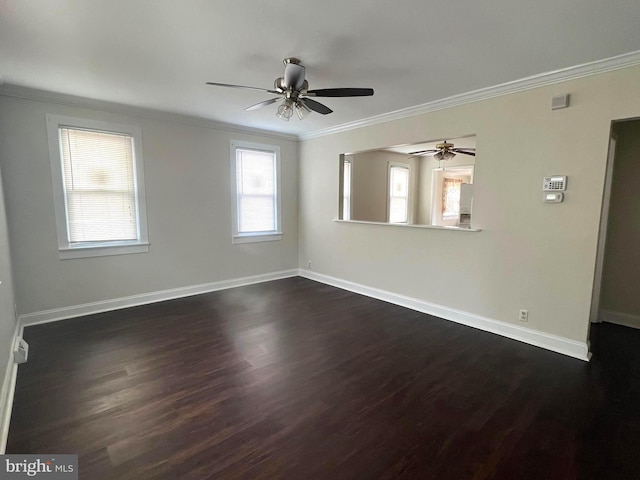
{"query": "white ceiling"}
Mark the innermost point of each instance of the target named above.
(158, 54)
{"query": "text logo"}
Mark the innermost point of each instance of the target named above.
(52, 467)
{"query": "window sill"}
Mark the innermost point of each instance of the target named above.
(257, 237)
(102, 250)
(406, 225)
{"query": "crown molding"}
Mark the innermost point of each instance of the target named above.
(571, 73)
(597, 67)
(17, 91)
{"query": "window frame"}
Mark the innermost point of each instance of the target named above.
(70, 250)
(446, 215)
(346, 207)
(409, 209)
(238, 237)
(437, 186)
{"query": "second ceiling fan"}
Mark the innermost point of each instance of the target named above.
(293, 90)
(444, 151)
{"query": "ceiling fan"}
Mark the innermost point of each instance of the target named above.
(445, 151)
(293, 89)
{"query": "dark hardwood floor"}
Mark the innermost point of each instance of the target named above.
(293, 379)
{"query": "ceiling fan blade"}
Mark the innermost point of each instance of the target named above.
(242, 86)
(341, 92)
(293, 75)
(459, 150)
(316, 106)
(262, 104)
(423, 152)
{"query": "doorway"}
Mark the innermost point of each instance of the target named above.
(616, 281)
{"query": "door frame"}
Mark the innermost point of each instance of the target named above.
(594, 316)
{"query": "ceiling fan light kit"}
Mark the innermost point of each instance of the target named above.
(294, 89)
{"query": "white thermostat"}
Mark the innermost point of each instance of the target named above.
(557, 183)
(553, 197)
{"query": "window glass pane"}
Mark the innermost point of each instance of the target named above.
(397, 210)
(256, 179)
(399, 181)
(451, 196)
(346, 191)
(398, 194)
(99, 184)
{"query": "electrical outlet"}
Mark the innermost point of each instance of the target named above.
(309, 264)
(524, 315)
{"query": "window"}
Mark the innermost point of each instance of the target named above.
(451, 197)
(346, 190)
(449, 184)
(255, 181)
(98, 187)
(398, 194)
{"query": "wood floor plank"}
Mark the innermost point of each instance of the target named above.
(293, 379)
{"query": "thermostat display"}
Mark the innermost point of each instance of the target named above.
(557, 183)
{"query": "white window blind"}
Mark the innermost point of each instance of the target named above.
(398, 194)
(256, 191)
(99, 185)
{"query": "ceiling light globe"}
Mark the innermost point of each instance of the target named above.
(302, 110)
(285, 111)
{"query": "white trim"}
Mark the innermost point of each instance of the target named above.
(66, 249)
(548, 341)
(146, 298)
(102, 250)
(433, 227)
(619, 318)
(571, 73)
(346, 159)
(410, 194)
(17, 91)
(8, 390)
(602, 233)
(251, 237)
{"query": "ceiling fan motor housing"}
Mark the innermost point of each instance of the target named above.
(293, 74)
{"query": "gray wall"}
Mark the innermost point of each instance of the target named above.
(7, 317)
(369, 195)
(621, 273)
(188, 208)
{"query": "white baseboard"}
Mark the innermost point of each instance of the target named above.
(146, 298)
(548, 341)
(8, 390)
(619, 318)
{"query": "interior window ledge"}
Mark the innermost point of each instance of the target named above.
(433, 227)
(102, 250)
(259, 237)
